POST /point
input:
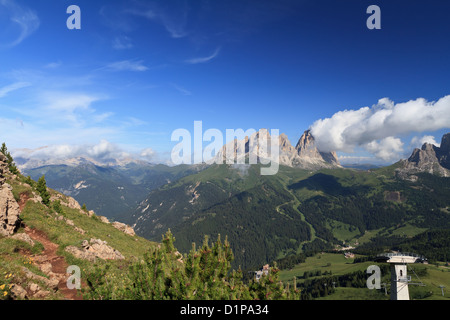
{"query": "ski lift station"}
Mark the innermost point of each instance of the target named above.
(399, 266)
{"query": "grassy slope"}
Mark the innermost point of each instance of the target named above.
(13, 253)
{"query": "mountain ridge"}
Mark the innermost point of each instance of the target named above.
(304, 155)
(429, 158)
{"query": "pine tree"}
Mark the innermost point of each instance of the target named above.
(3, 149)
(203, 274)
(43, 192)
(57, 207)
(9, 159)
(30, 181)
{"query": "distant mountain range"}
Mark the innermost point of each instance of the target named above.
(113, 187)
(108, 190)
(312, 203)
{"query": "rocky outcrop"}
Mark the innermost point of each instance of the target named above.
(66, 201)
(3, 168)
(104, 219)
(9, 211)
(9, 208)
(51, 282)
(124, 228)
(305, 155)
(95, 249)
(23, 237)
(430, 159)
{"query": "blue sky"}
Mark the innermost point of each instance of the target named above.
(138, 70)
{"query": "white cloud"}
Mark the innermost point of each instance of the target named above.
(105, 150)
(22, 20)
(417, 142)
(388, 149)
(36, 133)
(12, 87)
(64, 107)
(378, 128)
(67, 101)
(53, 65)
(182, 90)
(203, 59)
(345, 159)
(173, 19)
(102, 151)
(66, 113)
(148, 154)
(122, 43)
(127, 65)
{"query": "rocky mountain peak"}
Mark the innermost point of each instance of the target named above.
(306, 145)
(426, 154)
(445, 143)
(307, 151)
(429, 158)
(305, 139)
(305, 155)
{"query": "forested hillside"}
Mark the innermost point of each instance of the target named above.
(268, 218)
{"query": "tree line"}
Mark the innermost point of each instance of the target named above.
(203, 274)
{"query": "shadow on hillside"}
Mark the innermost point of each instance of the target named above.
(327, 184)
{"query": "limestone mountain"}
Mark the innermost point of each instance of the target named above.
(304, 155)
(310, 157)
(429, 158)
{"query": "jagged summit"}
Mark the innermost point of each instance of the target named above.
(304, 155)
(429, 158)
(307, 152)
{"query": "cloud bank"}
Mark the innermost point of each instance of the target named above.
(104, 152)
(378, 129)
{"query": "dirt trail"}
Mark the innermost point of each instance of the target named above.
(58, 263)
(23, 201)
(49, 255)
